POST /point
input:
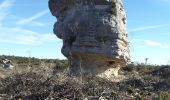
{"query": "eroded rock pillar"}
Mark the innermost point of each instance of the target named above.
(94, 35)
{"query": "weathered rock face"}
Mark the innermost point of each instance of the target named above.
(94, 35)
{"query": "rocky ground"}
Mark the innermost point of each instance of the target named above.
(50, 81)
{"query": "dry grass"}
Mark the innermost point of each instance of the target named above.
(50, 81)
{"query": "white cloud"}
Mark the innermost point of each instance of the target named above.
(32, 18)
(136, 43)
(165, 46)
(18, 35)
(140, 43)
(26, 37)
(5, 9)
(135, 40)
(148, 27)
(37, 24)
(152, 43)
(155, 43)
(141, 46)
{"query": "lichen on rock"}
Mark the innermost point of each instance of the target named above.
(94, 35)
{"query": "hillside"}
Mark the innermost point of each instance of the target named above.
(47, 79)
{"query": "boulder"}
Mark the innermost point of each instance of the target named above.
(7, 64)
(94, 35)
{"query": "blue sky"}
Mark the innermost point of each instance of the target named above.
(26, 30)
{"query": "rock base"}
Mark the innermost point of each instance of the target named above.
(90, 65)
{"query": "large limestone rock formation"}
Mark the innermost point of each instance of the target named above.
(94, 35)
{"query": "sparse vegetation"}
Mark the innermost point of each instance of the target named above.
(164, 96)
(48, 79)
